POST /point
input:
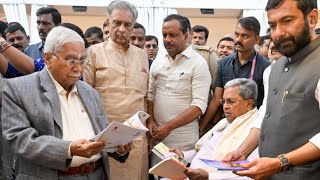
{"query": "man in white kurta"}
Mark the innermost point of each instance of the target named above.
(178, 89)
(119, 72)
(226, 136)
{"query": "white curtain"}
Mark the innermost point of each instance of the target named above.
(17, 13)
(261, 15)
(152, 19)
(34, 35)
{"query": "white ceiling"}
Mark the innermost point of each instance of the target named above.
(188, 12)
(218, 13)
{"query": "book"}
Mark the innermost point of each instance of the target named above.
(226, 166)
(169, 168)
(122, 133)
(172, 166)
(163, 152)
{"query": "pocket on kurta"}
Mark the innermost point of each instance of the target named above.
(103, 74)
(142, 81)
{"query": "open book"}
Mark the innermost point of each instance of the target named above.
(226, 166)
(172, 166)
(122, 133)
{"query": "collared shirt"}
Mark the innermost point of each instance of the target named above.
(13, 72)
(75, 120)
(174, 86)
(230, 68)
(35, 51)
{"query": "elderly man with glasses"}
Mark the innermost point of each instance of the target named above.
(48, 117)
(239, 106)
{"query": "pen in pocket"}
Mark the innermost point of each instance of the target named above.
(284, 94)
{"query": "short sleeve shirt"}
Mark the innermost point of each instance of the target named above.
(230, 68)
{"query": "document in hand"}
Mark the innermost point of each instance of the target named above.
(172, 166)
(122, 133)
(226, 166)
(169, 168)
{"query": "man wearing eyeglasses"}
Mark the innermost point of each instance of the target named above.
(151, 47)
(49, 116)
(239, 106)
(118, 70)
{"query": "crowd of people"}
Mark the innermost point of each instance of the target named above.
(251, 97)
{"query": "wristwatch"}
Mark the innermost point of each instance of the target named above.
(286, 166)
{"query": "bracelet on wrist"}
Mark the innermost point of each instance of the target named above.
(5, 45)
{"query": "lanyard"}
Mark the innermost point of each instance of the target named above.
(252, 67)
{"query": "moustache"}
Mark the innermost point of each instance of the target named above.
(168, 44)
(274, 49)
(76, 75)
(238, 43)
(279, 41)
(17, 46)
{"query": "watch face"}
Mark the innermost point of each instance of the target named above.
(287, 168)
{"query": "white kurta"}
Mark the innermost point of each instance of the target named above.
(220, 140)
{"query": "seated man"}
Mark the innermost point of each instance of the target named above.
(239, 105)
(48, 117)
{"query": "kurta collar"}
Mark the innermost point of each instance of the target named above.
(117, 46)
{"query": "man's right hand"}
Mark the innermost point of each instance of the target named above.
(86, 148)
(151, 126)
(234, 156)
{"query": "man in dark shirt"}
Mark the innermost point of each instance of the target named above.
(47, 18)
(244, 63)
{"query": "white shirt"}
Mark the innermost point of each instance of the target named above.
(75, 121)
(262, 111)
(263, 107)
(174, 86)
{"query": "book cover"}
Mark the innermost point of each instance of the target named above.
(226, 166)
(169, 168)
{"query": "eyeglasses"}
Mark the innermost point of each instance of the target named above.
(148, 46)
(229, 101)
(72, 62)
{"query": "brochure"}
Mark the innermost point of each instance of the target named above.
(226, 166)
(122, 133)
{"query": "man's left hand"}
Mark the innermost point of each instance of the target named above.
(161, 132)
(260, 168)
(197, 174)
(125, 148)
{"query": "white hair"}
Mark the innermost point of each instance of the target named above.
(59, 36)
(122, 5)
(248, 88)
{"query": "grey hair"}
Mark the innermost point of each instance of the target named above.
(59, 36)
(248, 88)
(122, 5)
